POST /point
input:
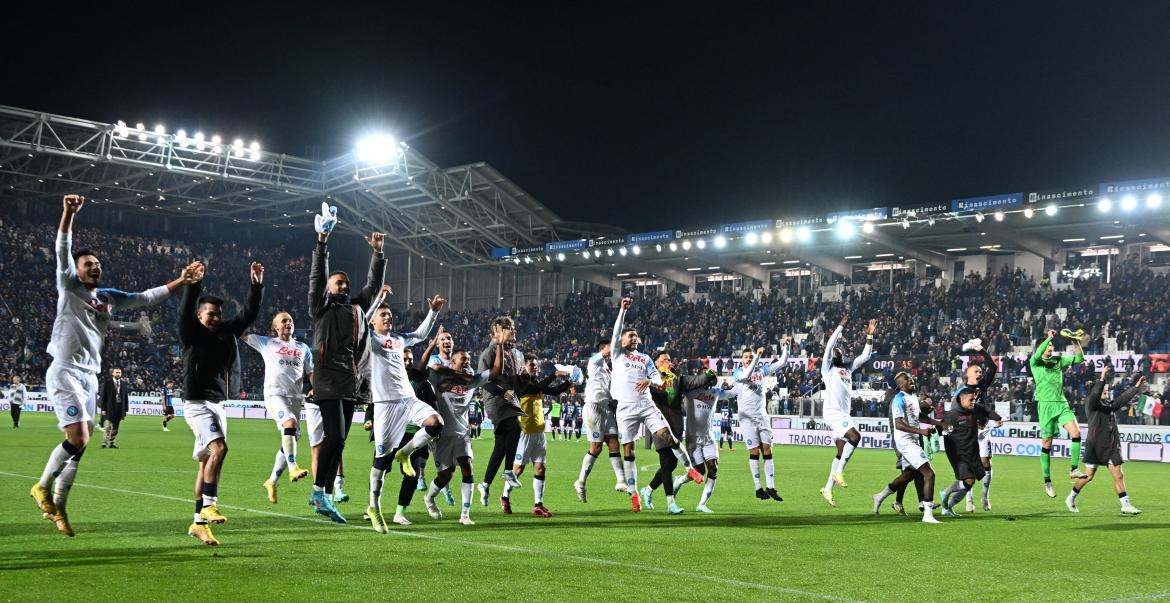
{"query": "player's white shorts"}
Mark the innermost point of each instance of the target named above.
(283, 408)
(702, 451)
(313, 424)
(448, 449)
(208, 420)
(755, 429)
(911, 454)
(600, 422)
(390, 419)
(632, 417)
(73, 393)
(840, 425)
(531, 449)
(985, 444)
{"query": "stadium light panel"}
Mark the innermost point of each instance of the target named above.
(701, 244)
(999, 215)
(751, 238)
(867, 227)
(766, 237)
(786, 235)
(1104, 205)
(1128, 203)
(979, 217)
(609, 252)
(673, 246)
(658, 247)
(623, 251)
(636, 249)
(597, 253)
(845, 229)
(376, 148)
(1153, 201)
(560, 257)
(686, 245)
(803, 234)
(585, 254)
(1029, 212)
(720, 242)
(1050, 210)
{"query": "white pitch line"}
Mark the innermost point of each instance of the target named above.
(1156, 597)
(499, 547)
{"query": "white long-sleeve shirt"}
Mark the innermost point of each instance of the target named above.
(285, 364)
(749, 384)
(839, 380)
(83, 315)
(629, 367)
(597, 387)
(700, 403)
(388, 380)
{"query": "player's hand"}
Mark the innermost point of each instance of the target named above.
(641, 386)
(1141, 381)
(386, 290)
(257, 273)
(193, 273)
(627, 302)
(498, 335)
(1051, 334)
(872, 326)
(844, 320)
(509, 395)
(760, 351)
(787, 340)
(73, 203)
(310, 394)
(376, 240)
(436, 302)
(438, 334)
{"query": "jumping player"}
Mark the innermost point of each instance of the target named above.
(1104, 440)
(753, 418)
(1052, 407)
(600, 421)
(962, 446)
(837, 373)
(83, 315)
(700, 444)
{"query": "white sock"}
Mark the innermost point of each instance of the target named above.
(681, 455)
(465, 491)
(754, 467)
(278, 465)
(927, 509)
(57, 459)
(376, 476)
(317, 488)
(845, 454)
(421, 438)
(538, 489)
(1072, 495)
(832, 471)
(986, 484)
(618, 471)
(507, 490)
(339, 483)
(670, 499)
(971, 496)
(708, 488)
(769, 474)
(586, 466)
(1125, 501)
(631, 468)
(64, 483)
(288, 443)
(209, 501)
(885, 493)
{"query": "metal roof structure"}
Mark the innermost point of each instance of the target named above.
(455, 215)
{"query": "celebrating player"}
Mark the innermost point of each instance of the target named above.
(600, 421)
(670, 398)
(395, 404)
(962, 446)
(532, 448)
(753, 418)
(286, 362)
(837, 373)
(1104, 440)
(501, 406)
(977, 378)
(210, 358)
(1052, 407)
(700, 445)
(907, 416)
(84, 309)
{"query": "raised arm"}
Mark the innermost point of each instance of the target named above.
(867, 351)
(188, 303)
(1127, 396)
(318, 274)
(1077, 358)
(66, 267)
(240, 323)
(127, 301)
(1039, 353)
(615, 341)
(424, 329)
(989, 369)
(1093, 399)
(744, 374)
(827, 359)
(377, 274)
(777, 365)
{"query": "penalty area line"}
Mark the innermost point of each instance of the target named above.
(498, 547)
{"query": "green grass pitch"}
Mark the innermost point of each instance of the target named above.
(131, 508)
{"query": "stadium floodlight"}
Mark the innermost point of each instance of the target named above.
(547, 258)
(560, 257)
(121, 130)
(1029, 212)
(930, 221)
(846, 229)
(1153, 200)
(701, 244)
(141, 127)
(998, 216)
(686, 245)
(803, 234)
(720, 242)
(636, 249)
(216, 143)
(658, 247)
(597, 253)
(623, 251)
(905, 223)
(585, 254)
(751, 238)
(527, 259)
(1128, 203)
(867, 227)
(377, 148)
(673, 246)
(766, 237)
(979, 217)
(1050, 210)
(160, 129)
(254, 151)
(1104, 205)
(181, 136)
(609, 252)
(238, 147)
(786, 235)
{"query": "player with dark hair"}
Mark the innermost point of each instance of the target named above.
(1104, 440)
(726, 411)
(837, 373)
(533, 447)
(907, 415)
(210, 361)
(600, 421)
(754, 424)
(978, 377)
(84, 309)
(168, 400)
(1052, 407)
(501, 405)
(339, 335)
(962, 445)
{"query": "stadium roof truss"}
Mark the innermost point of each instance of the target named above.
(455, 215)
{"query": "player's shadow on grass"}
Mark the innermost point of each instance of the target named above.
(1125, 526)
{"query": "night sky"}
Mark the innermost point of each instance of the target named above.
(656, 118)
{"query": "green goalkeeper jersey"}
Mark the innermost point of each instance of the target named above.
(1050, 377)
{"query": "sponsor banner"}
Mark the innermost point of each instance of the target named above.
(529, 249)
(607, 241)
(695, 232)
(574, 245)
(501, 252)
(649, 237)
(811, 437)
(1134, 186)
(859, 215)
(1122, 363)
(1055, 195)
(987, 202)
(1146, 452)
(926, 209)
(738, 227)
(799, 222)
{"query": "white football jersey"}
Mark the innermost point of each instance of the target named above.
(285, 364)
